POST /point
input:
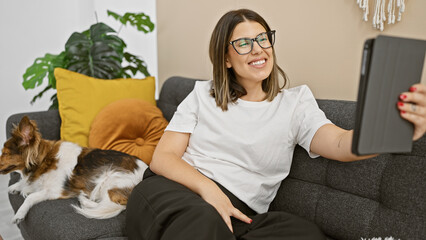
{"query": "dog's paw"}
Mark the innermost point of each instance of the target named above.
(25, 194)
(17, 219)
(14, 189)
(20, 215)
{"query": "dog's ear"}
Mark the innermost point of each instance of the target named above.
(27, 130)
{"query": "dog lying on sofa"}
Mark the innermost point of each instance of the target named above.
(101, 179)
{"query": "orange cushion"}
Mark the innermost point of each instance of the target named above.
(132, 126)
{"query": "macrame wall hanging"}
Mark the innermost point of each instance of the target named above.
(383, 11)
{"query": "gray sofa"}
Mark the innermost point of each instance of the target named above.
(380, 197)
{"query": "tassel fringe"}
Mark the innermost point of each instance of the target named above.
(380, 9)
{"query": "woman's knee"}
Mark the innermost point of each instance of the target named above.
(200, 221)
(172, 209)
(203, 213)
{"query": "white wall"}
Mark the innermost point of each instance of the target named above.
(31, 28)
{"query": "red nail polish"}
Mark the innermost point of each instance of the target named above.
(402, 112)
(251, 220)
(413, 89)
(401, 104)
(402, 96)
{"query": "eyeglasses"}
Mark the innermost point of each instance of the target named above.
(245, 45)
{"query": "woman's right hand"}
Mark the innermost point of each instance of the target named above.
(215, 197)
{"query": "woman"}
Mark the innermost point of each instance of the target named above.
(229, 145)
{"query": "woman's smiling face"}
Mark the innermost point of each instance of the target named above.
(255, 66)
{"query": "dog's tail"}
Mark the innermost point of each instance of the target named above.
(100, 210)
(99, 204)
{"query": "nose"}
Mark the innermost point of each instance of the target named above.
(256, 48)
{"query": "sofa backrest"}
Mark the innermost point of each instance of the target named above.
(173, 92)
(48, 122)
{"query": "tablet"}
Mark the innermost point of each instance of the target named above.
(390, 65)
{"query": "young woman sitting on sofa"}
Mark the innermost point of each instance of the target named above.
(230, 143)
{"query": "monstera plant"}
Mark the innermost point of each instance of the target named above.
(97, 52)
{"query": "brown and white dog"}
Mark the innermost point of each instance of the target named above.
(101, 179)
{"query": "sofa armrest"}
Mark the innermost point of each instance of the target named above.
(48, 122)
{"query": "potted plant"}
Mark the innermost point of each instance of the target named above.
(97, 52)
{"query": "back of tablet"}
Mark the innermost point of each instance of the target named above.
(389, 67)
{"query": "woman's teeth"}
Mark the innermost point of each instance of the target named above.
(260, 62)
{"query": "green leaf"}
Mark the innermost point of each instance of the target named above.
(97, 52)
(59, 61)
(54, 100)
(141, 21)
(40, 94)
(135, 65)
(42, 67)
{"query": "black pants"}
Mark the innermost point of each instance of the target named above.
(159, 208)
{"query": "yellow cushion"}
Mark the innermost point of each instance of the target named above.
(80, 99)
(132, 126)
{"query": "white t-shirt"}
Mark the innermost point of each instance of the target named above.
(249, 148)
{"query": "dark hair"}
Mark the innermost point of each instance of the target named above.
(226, 88)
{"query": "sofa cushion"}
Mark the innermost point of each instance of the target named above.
(132, 126)
(81, 97)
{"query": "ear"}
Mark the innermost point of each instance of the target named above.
(228, 63)
(26, 129)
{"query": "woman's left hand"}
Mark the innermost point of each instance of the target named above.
(412, 106)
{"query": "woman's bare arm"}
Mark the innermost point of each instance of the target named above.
(335, 143)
